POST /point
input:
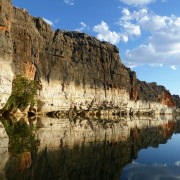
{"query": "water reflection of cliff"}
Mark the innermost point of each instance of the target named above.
(85, 149)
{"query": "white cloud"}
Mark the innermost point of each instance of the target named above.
(149, 172)
(83, 26)
(154, 22)
(137, 2)
(48, 21)
(144, 54)
(113, 37)
(136, 15)
(177, 163)
(126, 12)
(162, 42)
(125, 38)
(132, 29)
(51, 22)
(162, 45)
(177, 22)
(128, 20)
(127, 28)
(69, 2)
(105, 34)
(173, 67)
(57, 20)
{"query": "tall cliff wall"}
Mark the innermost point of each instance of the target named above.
(6, 51)
(74, 70)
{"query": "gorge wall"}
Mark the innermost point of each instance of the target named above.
(73, 70)
(6, 51)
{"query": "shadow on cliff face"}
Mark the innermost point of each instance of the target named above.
(92, 160)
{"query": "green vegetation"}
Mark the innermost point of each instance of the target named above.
(21, 136)
(23, 94)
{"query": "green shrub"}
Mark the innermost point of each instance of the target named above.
(21, 136)
(23, 94)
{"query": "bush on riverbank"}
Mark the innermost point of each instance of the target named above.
(23, 94)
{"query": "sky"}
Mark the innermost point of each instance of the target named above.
(147, 32)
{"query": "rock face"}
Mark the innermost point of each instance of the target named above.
(6, 51)
(74, 70)
(4, 141)
(177, 100)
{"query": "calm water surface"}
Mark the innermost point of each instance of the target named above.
(156, 163)
(52, 148)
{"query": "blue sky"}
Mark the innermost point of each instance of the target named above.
(147, 32)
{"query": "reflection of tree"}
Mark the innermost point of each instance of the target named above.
(21, 136)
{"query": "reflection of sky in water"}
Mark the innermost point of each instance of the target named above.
(164, 154)
(162, 163)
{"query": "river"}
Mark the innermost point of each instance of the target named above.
(61, 148)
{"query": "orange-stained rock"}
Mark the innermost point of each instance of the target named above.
(5, 14)
(26, 161)
(30, 70)
(167, 99)
(3, 28)
(133, 95)
(169, 128)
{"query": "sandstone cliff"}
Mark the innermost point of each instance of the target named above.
(74, 70)
(4, 141)
(177, 100)
(6, 51)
